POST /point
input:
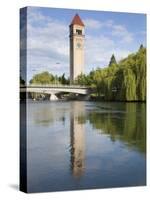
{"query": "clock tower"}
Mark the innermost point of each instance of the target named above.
(76, 47)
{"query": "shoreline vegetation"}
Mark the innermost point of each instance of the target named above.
(124, 81)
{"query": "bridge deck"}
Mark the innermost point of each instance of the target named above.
(54, 89)
(55, 86)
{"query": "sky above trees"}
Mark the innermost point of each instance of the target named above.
(106, 33)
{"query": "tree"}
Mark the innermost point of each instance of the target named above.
(63, 80)
(48, 78)
(112, 60)
(129, 84)
(81, 79)
(141, 47)
(140, 72)
(125, 81)
(43, 78)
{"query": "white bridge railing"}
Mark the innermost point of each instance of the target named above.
(55, 86)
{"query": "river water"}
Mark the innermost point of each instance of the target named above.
(80, 145)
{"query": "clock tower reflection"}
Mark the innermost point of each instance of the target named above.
(77, 138)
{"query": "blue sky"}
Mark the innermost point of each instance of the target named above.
(105, 33)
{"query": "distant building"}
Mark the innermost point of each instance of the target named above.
(76, 47)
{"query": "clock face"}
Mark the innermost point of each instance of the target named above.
(78, 45)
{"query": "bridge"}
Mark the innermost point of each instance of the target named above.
(52, 90)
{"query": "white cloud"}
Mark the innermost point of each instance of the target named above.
(109, 23)
(34, 15)
(121, 32)
(96, 49)
(117, 30)
(92, 23)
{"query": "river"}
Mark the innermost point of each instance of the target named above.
(82, 144)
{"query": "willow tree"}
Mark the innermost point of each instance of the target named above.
(129, 84)
(141, 74)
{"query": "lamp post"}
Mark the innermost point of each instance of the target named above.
(114, 89)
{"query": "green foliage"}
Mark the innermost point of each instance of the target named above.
(125, 81)
(82, 79)
(63, 80)
(48, 78)
(140, 71)
(42, 78)
(112, 60)
(129, 85)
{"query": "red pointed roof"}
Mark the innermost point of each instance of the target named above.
(77, 20)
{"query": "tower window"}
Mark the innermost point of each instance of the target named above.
(79, 32)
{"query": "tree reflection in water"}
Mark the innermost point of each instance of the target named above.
(126, 123)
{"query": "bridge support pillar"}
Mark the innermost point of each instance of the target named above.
(53, 97)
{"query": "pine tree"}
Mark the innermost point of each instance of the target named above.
(112, 60)
(141, 47)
